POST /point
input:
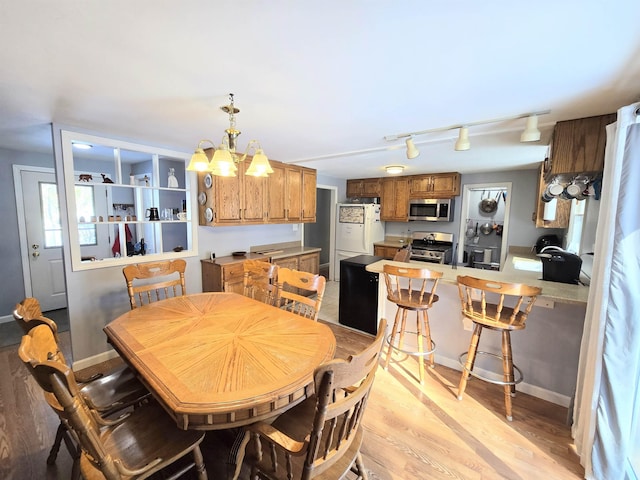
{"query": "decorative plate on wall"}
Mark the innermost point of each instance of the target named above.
(202, 198)
(208, 181)
(208, 214)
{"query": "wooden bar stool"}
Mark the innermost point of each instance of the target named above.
(418, 296)
(495, 316)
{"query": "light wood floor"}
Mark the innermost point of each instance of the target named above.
(412, 432)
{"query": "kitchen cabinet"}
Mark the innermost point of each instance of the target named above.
(394, 199)
(577, 147)
(384, 251)
(309, 180)
(365, 187)
(122, 201)
(226, 274)
(288, 195)
(440, 185)
(563, 207)
(277, 207)
(308, 262)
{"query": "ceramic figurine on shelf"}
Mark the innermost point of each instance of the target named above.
(173, 181)
(106, 179)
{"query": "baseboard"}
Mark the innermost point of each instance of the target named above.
(6, 319)
(91, 361)
(533, 390)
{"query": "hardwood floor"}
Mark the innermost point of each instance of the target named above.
(412, 432)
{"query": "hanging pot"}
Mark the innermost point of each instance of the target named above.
(486, 228)
(489, 205)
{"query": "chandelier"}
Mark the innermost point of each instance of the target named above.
(224, 161)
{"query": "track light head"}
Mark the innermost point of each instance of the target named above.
(531, 132)
(463, 142)
(412, 151)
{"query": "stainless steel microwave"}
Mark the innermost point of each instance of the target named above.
(431, 209)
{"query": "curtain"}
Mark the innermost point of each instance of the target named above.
(609, 365)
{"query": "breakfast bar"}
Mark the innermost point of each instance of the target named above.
(546, 351)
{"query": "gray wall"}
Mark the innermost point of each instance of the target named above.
(12, 280)
(318, 234)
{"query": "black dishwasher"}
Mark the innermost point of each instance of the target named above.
(358, 301)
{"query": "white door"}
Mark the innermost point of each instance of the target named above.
(43, 236)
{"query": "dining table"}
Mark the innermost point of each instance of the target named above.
(221, 360)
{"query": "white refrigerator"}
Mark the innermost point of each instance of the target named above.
(358, 227)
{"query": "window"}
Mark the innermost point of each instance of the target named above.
(50, 215)
(85, 207)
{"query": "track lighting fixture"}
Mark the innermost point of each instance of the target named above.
(530, 133)
(412, 151)
(463, 142)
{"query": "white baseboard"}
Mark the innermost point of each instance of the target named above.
(91, 361)
(533, 390)
(6, 319)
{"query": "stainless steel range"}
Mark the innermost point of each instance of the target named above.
(434, 247)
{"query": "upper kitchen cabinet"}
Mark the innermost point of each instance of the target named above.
(365, 187)
(288, 195)
(124, 200)
(577, 148)
(440, 185)
(394, 199)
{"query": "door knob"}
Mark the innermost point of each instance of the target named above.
(35, 254)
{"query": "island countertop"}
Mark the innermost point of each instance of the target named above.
(554, 291)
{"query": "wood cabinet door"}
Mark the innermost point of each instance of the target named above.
(308, 195)
(276, 194)
(254, 197)
(445, 185)
(387, 199)
(402, 199)
(354, 188)
(394, 199)
(371, 187)
(309, 263)
(228, 194)
(293, 184)
(420, 186)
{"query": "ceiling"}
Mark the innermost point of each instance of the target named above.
(318, 83)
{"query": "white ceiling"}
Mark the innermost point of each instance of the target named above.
(317, 80)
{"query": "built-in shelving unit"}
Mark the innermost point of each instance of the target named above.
(126, 202)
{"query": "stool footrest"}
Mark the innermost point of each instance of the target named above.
(412, 352)
(518, 377)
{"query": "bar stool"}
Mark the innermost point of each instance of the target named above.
(499, 317)
(418, 297)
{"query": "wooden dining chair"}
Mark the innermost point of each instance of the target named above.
(320, 437)
(498, 306)
(260, 280)
(107, 393)
(133, 446)
(172, 284)
(403, 254)
(300, 292)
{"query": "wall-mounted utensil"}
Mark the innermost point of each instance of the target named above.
(476, 237)
(489, 205)
(486, 228)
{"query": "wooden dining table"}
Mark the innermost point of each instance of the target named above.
(221, 360)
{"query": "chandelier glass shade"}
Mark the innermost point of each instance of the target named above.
(225, 160)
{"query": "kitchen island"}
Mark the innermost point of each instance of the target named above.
(546, 351)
